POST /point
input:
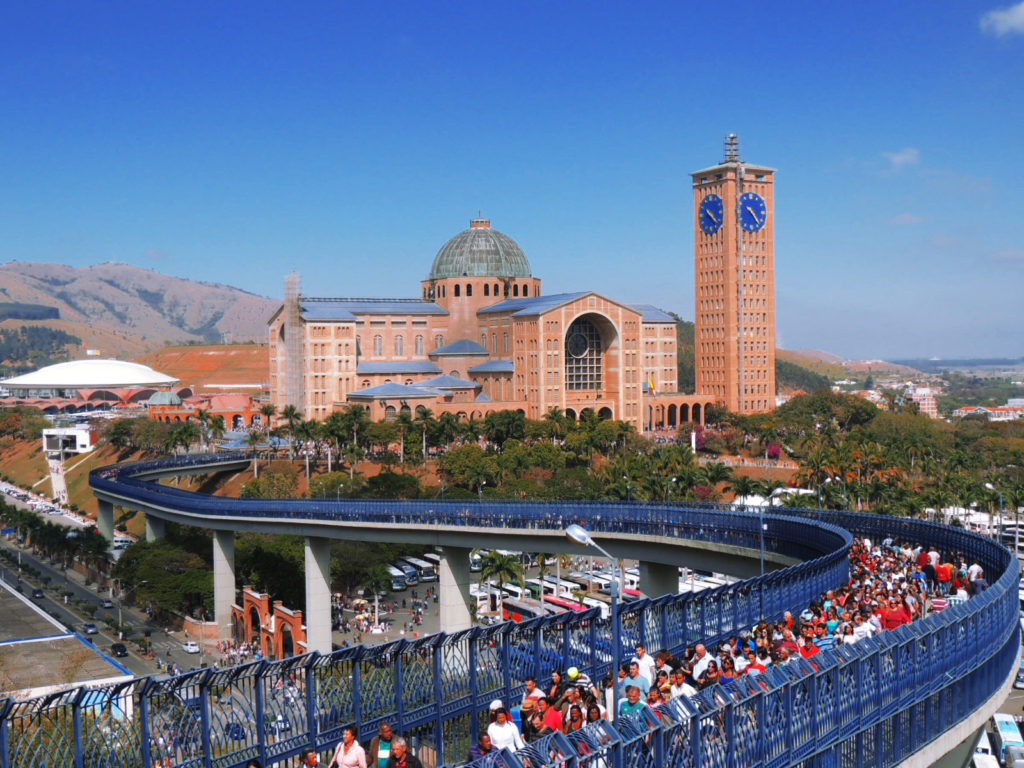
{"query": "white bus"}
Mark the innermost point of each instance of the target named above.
(424, 570)
(412, 577)
(397, 579)
(1005, 734)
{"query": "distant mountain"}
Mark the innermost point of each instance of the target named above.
(817, 354)
(127, 311)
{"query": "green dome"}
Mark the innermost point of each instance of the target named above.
(480, 252)
(164, 398)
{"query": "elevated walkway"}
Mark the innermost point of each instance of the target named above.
(901, 698)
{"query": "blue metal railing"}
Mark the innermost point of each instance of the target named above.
(873, 703)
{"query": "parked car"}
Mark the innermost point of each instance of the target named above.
(119, 650)
(37, 594)
(89, 628)
(106, 603)
(190, 647)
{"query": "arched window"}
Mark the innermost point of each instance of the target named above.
(438, 341)
(457, 289)
(378, 345)
(483, 339)
(389, 413)
(399, 345)
(515, 289)
(526, 290)
(487, 289)
(366, 383)
(582, 355)
(419, 345)
(469, 289)
(504, 338)
(495, 289)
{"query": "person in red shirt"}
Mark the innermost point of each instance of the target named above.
(895, 615)
(552, 718)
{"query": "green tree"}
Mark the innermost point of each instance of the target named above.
(507, 569)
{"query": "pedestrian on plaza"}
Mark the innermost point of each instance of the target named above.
(348, 753)
(400, 757)
(380, 747)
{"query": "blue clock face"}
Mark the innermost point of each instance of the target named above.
(753, 213)
(712, 214)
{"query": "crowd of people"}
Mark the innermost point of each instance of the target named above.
(891, 584)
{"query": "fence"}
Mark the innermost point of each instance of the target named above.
(869, 704)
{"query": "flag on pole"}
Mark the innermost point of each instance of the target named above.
(650, 384)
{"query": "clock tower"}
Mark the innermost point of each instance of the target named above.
(734, 282)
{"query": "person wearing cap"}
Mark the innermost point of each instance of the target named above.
(492, 710)
(581, 681)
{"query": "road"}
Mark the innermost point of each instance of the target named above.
(167, 645)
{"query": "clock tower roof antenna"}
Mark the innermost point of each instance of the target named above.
(732, 149)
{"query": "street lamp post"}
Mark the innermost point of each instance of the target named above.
(580, 535)
(480, 489)
(668, 489)
(629, 490)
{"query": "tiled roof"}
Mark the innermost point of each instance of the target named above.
(461, 347)
(494, 366)
(390, 390)
(348, 309)
(532, 305)
(447, 382)
(403, 366)
(482, 398)
(651, 314)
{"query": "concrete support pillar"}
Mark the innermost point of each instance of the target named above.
(105, 521)
(657, 579)
(453, 590)
(155, 527)
(318, 595)
(223, 580)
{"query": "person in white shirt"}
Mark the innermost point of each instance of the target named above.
(645, 662)
(503, 732)
(679, 685)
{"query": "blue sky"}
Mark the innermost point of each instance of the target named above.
(233, 142)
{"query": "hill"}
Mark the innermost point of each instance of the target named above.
(127, 311)
(214, 367)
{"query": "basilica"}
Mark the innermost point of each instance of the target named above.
(482, 336)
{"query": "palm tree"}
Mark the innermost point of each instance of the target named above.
(268, 410)
(253, 440)
(217, 427)
(292, 416)
(508, 569)
(203, 416)
(743, 486)
(377, 580)
(403, 423)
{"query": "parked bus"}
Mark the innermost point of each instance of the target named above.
(397, 579)
(412, 577)
(424, 570)
(522, 609)
(434, 559)
(1006, 734)
(514, 590)
(563, 587)
(565, 605)
(475, 563)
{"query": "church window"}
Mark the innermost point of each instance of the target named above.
(487, 289)
(495, 289)
(526, 290)
(419, 345)
(582, 355)
(399, 345)
(494, 343)
(483, 339)
(469, 289)
(505, 341)
(515, 289)
(378, 345)
(389, 413)
(457, 289)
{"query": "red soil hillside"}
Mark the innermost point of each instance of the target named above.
(216, 367)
